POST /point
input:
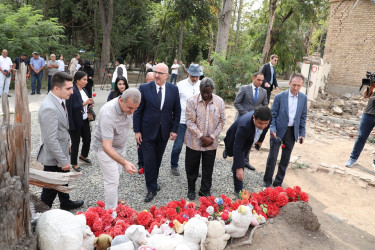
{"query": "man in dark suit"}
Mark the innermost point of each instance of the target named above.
(155, 121)
(249, 129)
(248, 98)
(269, 73)
(53, 152)
(289, 111)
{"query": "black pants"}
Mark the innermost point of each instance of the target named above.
(49, 195)
(153, 151)
(269, 95)
(88, 88)
(75, 137)
(289, 141)
(238, 184)
(192, 162)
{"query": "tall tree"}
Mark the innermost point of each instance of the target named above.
(106, 14)
(224, 26)
(238, 24)
(267, 43)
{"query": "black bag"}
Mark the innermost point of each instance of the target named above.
(91, 114)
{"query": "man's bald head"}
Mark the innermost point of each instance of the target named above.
(150, 77)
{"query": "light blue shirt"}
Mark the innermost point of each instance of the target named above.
(258, 133)
(272, 72)
(292, 107)
(37, 63)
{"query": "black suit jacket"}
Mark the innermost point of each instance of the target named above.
(148, 118)
(266, 70)
(75, 109)
(240, 138)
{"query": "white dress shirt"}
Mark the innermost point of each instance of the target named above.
(292, 107)
(258, 133)
(162, 94)
(186, 90)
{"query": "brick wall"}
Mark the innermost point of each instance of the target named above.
(350, 44)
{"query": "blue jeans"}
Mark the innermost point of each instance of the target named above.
(177, 145)
(35, 77)
(173, 78)
(365, 128)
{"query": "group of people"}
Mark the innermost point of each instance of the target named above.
(158, 111)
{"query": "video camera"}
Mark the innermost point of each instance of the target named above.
(370, 78)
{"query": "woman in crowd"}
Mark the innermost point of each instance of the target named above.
(90, 75)
(121, 84)
(61, 63)
(77, 107)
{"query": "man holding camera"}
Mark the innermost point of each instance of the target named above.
(5, 73)
(365, 127)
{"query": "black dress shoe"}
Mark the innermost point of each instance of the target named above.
(38, 93)
(158, 188)
(71, 205)
(206, 194)
(87, 160)
(225, 155)
(191, 196)
(150, 196)
(247, 165)
(32, 93)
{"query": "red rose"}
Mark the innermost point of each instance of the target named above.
(141, 171)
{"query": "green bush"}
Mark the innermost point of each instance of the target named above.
(231, 72)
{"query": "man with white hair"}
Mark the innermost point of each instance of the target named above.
(5, 72)
(52, 66)
(110, 136)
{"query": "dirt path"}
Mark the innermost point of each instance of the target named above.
(341, 200)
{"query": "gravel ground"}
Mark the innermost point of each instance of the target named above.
(132, 188)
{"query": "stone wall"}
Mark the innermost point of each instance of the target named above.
(350, 44)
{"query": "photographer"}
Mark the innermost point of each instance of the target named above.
(365, 127)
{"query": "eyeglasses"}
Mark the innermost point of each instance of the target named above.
(160, 73)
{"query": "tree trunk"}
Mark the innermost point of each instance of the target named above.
(180, 41)
(15, 146)
(238, 25)
(211, 43)
(106, 15)
(161, 31)
(224, 26)
(267, 43)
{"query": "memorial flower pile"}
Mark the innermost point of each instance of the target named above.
(114, 222)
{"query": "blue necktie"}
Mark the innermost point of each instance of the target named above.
(256, 95)
(160, 96)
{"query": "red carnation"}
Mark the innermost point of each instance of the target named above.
(171, 213)
(303, 197)
(152, 210)
(297, 189)
(225, 216)
(272, 210)
(94, 95)
(144, 218)
(291, 193)
(191, 205)
(282, 200)
(283, 146)
(100, 203)
(273, 195)
(97, 226)
(141, 171)
(279, 189)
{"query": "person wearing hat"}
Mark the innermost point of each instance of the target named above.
(119, 71)
(186, 88)
(37, 64)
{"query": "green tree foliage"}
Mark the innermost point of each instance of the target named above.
(231, 72)
(26, 30)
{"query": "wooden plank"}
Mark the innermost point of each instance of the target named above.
(53, 177)
(64, 189)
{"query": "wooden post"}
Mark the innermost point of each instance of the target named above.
(15, 145)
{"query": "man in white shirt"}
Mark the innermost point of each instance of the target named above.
(186, 88)
(5, 72)
(174, 69)
(119, 71)
(73, 65)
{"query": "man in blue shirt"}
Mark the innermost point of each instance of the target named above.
(37, 64)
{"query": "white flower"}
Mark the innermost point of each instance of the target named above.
(210, 210)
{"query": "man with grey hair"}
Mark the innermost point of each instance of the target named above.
(110, 136)
(5, 72)
(52, 66)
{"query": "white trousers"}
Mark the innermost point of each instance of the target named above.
(111, 171)
(4, 79)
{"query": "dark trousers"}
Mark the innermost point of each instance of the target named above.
(49, 195)
(75, 137)
(140, 156)
(192, 162)
(153, 151)
(49, 82)
(238, 184)
(289, 141)
(268, 95)
(88, 88)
